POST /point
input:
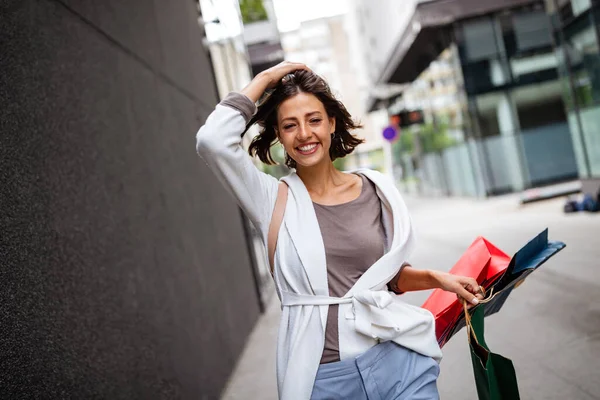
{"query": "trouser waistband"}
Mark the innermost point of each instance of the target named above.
(354, 365)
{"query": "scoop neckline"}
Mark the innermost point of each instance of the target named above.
(362, 190)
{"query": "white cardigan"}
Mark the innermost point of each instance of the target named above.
(368, 313)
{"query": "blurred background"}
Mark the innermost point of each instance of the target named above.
(117, 275)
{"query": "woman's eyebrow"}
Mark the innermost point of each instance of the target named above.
(310, 114)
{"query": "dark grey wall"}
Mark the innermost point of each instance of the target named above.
(124, 272)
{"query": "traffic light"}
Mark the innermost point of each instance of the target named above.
(407, 118)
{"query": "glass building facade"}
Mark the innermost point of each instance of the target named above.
(515, 108)
(576, 26)
(527, 81)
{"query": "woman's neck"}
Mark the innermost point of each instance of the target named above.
(319, 179)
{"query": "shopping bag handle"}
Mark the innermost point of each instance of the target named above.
(481, 351)
(470, 330)
(485, 300)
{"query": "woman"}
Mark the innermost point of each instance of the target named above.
(341, 250)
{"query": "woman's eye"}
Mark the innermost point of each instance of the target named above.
(288, 126)
(315, 121)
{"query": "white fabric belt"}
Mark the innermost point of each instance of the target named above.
(369, 310)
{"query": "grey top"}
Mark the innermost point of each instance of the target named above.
(354, 239)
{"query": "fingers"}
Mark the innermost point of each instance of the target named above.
(479, 296)
(287, 67)
(293, 66)
(277, 73)
(468, 296)
(471, 285)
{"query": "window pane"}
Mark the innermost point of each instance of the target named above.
(480, 40)
(532, 30)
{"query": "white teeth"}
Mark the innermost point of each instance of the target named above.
(308, 148)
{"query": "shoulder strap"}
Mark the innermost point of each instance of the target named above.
(276, 220)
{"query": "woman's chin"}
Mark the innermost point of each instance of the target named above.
(310, 160)
(308, 163)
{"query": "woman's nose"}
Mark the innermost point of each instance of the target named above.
(303, 132)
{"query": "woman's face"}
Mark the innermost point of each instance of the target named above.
(305, 129)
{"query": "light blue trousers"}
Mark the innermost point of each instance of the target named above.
(386, 371)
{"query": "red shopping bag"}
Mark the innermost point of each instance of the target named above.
(482, 261)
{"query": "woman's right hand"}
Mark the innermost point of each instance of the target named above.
(276, 73)
(269, 78)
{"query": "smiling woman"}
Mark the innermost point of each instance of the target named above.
(341, 251)
(304, 128)
(302, 111)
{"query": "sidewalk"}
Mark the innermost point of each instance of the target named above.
(254, 375)
(550, 327)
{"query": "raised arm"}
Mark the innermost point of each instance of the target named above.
(219, 143)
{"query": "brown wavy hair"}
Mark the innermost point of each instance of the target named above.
(302, 81)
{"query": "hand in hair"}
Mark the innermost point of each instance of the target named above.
(270, 78)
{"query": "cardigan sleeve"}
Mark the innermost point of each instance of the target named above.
(219, 143)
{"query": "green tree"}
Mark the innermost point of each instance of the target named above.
(340, 163)
(404, 145)
(253, 11)
(280, 169)
(434, 137)
(406, 142)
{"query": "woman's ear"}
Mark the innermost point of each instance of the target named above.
(332, 124)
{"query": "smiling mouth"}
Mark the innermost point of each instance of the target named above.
(307, 149)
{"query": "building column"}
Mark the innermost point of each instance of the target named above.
(508, 123)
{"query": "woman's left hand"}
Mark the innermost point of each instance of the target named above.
(465, 287)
